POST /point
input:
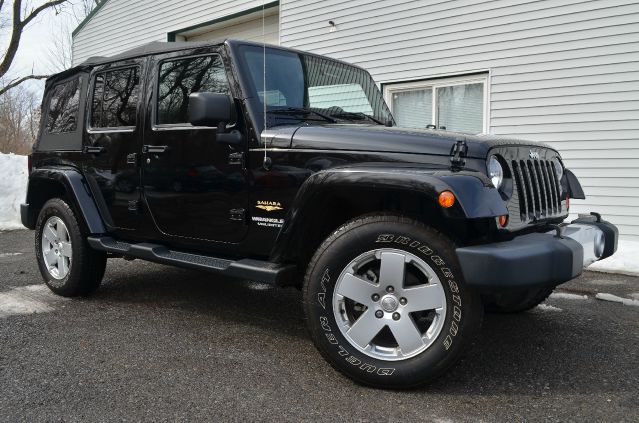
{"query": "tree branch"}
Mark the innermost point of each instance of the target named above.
(17, 27)
(43, 7)
(19, 81)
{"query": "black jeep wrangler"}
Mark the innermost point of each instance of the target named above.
(280, 166)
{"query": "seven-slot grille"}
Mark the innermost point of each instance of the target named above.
(536, 192)
(538, 189)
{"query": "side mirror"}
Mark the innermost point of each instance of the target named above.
(214, 109)
(210, 109)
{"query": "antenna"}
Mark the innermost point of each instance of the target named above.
(266, 164)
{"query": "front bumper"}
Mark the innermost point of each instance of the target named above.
(539, 259)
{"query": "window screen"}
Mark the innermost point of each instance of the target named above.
(62, 114)
(179, 78)
(413, 109)
(115, 98)
(461, 108)
(454, 104)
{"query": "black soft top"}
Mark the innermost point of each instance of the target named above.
(155, 47)
(158, 47)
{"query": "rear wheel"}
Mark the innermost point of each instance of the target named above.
(386, 303)
(69, 266)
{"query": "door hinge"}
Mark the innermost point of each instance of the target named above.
(132, 159)
(134, 206)
(236, 158)
(237, 214)
(458, 154)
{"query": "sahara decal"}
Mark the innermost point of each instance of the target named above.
(269, 206)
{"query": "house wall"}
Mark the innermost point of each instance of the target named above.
(124, 24)
(565, 73)
(250, 28)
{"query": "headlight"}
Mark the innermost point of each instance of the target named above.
(495, 171)
(559, 168)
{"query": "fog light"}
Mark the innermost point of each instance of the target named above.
(600, 243)
(446, 199)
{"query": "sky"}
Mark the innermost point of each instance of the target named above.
(37, 40)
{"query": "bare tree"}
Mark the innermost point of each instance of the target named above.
(21, 16)
(19, 117)
(59, 54)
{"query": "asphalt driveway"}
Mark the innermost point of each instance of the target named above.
(157, 343)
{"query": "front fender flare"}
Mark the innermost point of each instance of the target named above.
(476, 197)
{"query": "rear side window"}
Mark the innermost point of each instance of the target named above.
(62, 113)
(115, 98)
(179, 78)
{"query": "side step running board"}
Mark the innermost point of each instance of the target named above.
(255, 270)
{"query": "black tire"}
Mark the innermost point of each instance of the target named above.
(463, 306)
(516, 302)
(87, 265)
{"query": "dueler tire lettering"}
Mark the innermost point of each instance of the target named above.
(463, 307)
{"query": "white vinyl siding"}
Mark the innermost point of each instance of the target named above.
(562, 72)
(565, 73)
(123, 24)
(248, 28)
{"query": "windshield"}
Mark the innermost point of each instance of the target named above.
(312, 89)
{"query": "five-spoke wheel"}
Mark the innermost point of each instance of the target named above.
(56, 247)
(69, 266)
(389, 303)
(386, 303)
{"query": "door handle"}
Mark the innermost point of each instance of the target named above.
(90, 149)
(155, 149)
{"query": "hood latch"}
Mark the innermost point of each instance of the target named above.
(458, 154)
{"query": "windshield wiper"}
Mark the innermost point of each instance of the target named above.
(301, 111)
(361, 115)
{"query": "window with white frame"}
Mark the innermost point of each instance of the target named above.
(455, 104)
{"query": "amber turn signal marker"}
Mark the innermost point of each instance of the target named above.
(503, 220)
(446, 199)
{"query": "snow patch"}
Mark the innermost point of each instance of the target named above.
(13, 189)
(568, 296)
(28, 299)
(609, 297)
(625, 261)
(547, 307)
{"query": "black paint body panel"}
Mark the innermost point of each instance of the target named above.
(202, 195)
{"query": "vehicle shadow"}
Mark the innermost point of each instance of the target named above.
(536, 352)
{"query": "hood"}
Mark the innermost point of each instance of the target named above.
(380, 138)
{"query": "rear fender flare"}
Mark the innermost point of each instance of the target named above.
(77, 192)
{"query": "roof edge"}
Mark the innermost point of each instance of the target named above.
(86, 20)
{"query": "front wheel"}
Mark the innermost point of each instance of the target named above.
(386, 303)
